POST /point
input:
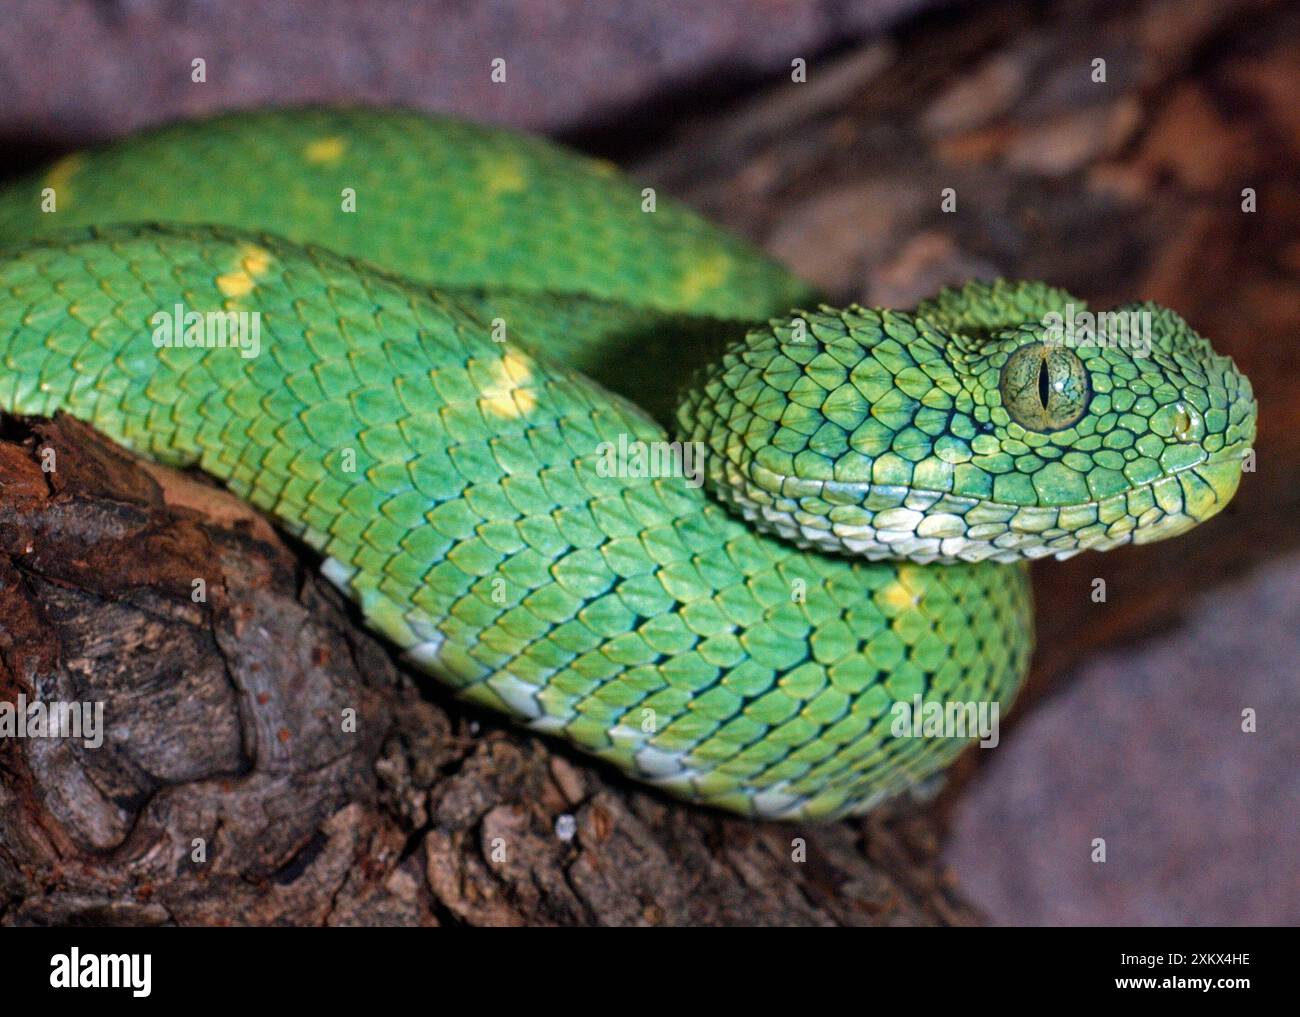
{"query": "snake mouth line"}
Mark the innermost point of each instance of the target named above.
(1228, 454)
(940, 527)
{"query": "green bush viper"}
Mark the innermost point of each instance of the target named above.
(430, 301)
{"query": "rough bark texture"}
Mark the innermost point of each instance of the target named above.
(1125, 189)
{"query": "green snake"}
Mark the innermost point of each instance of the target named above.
(468, 343)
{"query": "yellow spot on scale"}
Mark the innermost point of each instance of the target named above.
(59, 177)
(704, 276)
(325, 151)
(254, 262)
(504, 175)
(508, 396)
(604, 168)
(904, 592)
(235, 284)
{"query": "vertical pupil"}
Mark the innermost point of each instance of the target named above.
(1044, 384)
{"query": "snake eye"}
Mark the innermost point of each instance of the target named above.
(1044, 388)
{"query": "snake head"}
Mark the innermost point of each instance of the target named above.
(998, 422)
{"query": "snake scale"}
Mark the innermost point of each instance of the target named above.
(456, 324)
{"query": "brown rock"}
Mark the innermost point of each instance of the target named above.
(971, 102)
(1066, 143)
(836, 234)
(927, 263)
(1190, 142)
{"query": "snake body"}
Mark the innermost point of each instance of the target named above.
(421, 410)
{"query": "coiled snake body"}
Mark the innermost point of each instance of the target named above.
(425, 304)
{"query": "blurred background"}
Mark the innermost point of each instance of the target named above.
(1147, 149)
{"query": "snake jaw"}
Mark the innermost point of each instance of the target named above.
(1173, 504)
(1219, 479)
